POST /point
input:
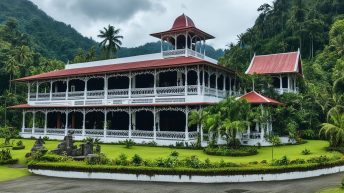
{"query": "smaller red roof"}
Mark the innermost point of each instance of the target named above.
(255, 98)
(276, 63)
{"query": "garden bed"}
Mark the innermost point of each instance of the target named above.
(225, 151)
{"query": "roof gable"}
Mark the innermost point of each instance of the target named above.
(255, 98)
(276, 63)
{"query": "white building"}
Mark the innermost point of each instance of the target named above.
(143, 98)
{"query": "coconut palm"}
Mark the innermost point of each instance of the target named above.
(23, 54)
(333, 130)
(229, 129)
(198, 118)
(12, 68)
(111, 41)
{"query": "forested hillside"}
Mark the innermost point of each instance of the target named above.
(316, 27)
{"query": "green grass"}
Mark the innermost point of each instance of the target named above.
(7, 173)
(332, 190)
(317, 148)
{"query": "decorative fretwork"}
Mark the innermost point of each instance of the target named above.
(118, 75)
(182, 70)
(142, 91)
(113, 93)
(171, 109)
(39, 130)
(118, 110)
(193, 135)
(27, 130)
(76, 95)
(117, 133)
(173, 53)
(142, 72)
(94, 132)
(192, 89)
(142, 134)
(134, 110)
(75, 131)
(170, 135)
(172, 90)
(55, 131)
(95, 94)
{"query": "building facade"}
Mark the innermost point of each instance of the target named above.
(144, 98)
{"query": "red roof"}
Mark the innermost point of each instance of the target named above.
(141, 65)
(27, 106)
(181, 24)
(255, 98)
(276, 63)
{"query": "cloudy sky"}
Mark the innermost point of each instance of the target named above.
(138, 18)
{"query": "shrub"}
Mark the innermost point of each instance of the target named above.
(169, 162)
(253, 162)
(45, 138)
(281, 162)
(193, 162)
(136, 160)
(225, 151)
(174, 154)
(264, 162)
(122, 160)
(5, 154)
(129, 143)
(306, 151)
(342, 183)
(56, 158)
(180, 144)
(19, 145)
(100, 159)
(320, 160)
(152, 143)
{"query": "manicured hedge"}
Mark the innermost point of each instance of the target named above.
(224, 151)
(18, 147)
(10, 161)
(259, 169)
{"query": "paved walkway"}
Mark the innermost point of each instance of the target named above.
(37, 184)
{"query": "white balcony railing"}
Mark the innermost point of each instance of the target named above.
(94, 132)
(142, 134)
(135, 92)
(171, 90)
(114, 93)
(170, 135)
(117, 133)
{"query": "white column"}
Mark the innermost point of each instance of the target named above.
(203, 82)
(154, 126)
(37, 90)
(288, 82)
(216, 77)
(154, 82)
(33, 121)
(28, 91)
(85, 89)
(224, 85)
(198, 81)
(23, 123)
(105, 122)
(295, 82)
(66, 125)
(186, 44)
(129, 123)
(83, 122)
(261, 131)
(129, 90)
(51, 90)
(105, 87)
(175, 42)
(186, 123)
(67, 88)
(45, 121)
(186, 80)
(201, 132)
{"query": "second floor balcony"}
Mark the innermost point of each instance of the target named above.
(139, 86)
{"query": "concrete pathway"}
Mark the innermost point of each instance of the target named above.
(38, 184)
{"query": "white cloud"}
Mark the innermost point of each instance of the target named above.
(224, 19)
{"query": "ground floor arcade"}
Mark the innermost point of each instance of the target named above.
(112, 124)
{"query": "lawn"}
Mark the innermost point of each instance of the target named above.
(332, 190)
(317, 148)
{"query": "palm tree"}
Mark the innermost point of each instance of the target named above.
(23, 54)
(11, 67)
(198, 118)
(333, 130)
(230, 129)
(111, 41)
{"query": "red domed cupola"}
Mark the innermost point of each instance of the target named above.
(184, 38)
(182, 21)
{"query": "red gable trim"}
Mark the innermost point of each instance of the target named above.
(27, 106)
(255, 98)
(141, 65)
(276, 63)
